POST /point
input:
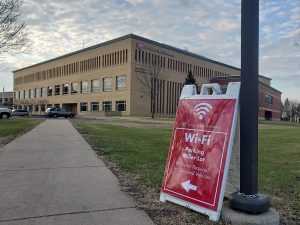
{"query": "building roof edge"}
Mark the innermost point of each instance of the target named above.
(78, 51)
(237, 76)
(181, 51)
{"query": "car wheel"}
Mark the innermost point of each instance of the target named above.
(4, 116)
(71, 115)
(55, 115)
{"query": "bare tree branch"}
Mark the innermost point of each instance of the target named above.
(13, 34)
(149, 75)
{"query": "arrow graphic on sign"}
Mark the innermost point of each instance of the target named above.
(188, 186)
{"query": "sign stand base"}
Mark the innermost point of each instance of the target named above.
(212, 215)
(236, 217)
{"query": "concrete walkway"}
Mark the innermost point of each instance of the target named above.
(51, 176)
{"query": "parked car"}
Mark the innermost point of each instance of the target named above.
(20, 112)
(5, 113)
(58, 112)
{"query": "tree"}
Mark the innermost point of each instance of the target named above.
(286, 109)
(13, 34)
(293, 110)
(150, 75)
(190, 79)
(43, 102)
(298, 112)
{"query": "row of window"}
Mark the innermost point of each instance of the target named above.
(6, 100)
(94, 106)
(106, 106)
(106, 60)
(75, 87)
(175, 65)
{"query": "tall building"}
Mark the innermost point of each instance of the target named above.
(112, 78)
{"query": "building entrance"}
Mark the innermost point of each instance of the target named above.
(268, 115)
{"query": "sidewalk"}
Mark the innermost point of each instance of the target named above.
(51, 176)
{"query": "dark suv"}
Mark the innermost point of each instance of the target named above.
(58, 112)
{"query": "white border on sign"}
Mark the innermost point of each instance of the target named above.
(214, 202)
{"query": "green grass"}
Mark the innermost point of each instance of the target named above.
(140, 151)
(281, 123)
(11, 128)
(279, 161)
(143, 152)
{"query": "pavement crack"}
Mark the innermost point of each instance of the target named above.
(50, 168)
(67, 213)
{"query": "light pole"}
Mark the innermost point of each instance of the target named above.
(248, 199)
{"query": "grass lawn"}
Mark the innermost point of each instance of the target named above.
(140, 151)
(279, 164)
(143, 153)
(11, 128)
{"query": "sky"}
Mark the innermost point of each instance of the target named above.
(209, 28)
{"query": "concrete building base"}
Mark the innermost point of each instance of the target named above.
(271, 217)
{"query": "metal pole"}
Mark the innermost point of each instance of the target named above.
(248, 199)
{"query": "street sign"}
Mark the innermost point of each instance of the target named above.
(200, 149)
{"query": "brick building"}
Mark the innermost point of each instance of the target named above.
(269, 99)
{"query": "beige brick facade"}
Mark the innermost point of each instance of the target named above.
(117, 59)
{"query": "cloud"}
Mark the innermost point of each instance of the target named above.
(209, 28)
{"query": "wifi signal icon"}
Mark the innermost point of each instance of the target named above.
(202, 109)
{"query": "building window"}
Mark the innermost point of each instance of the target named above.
(107, 106)
(50, 91)
(32, 95)
(57, 89)
(21, 94)
(121, 82)
(95, 86)
(120, 106)
(43, 92)
(36, 108)
(65, 89)
(74, 88)
(83, 106)
(95, 106)
(268, 99)
(38, 92)
(107, 84)
(43, 108)
(223, 90)
(84, 87)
